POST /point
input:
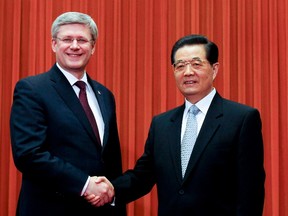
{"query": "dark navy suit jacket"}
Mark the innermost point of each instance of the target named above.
(55, 148)
(225, 174)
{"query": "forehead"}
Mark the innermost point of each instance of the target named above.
(74, 30)
(191, 51)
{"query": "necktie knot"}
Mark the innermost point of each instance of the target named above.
(194, 110)
(81, 85)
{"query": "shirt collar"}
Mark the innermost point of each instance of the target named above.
(72, 79)
(204, 104)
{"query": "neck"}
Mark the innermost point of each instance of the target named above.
(77, 74)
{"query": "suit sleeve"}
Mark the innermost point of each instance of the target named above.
(28, 125)
(137, 182)
(250, 171)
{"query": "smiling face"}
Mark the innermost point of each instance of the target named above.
(194, 82)
(73, 57)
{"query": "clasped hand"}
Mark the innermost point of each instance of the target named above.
(99, 192)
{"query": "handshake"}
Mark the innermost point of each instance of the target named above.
(99, 191)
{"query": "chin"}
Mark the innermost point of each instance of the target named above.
(189, 91)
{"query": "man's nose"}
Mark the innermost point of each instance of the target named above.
(74, 44)
(188, 70)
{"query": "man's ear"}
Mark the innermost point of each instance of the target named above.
(215, 68)
(53, 44)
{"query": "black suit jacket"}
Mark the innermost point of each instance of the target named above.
(225, 175)
(55, 148)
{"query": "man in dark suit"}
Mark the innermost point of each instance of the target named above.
(55, 146)
(225, 174)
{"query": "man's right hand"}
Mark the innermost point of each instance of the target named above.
(99, 192)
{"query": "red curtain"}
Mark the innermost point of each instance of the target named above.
(132, 59)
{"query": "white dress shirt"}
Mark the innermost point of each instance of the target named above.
(203, 105)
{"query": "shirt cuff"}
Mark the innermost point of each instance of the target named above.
(113, 202)
(85, 186)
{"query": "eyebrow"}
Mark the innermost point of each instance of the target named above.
(195, 58)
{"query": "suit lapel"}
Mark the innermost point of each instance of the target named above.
(66, 92)
(210, 126)
(174, 139)
(103, 108)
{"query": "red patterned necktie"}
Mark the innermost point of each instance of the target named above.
(83, 100)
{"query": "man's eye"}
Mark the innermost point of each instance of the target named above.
(180, 65)
(82, 41)
(196, 64)
(67, 40)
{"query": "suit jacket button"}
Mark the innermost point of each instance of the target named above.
(181, 192)
(58, 194)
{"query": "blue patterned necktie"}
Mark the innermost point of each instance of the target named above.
(189, 137)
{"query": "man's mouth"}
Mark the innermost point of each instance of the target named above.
(189, 82)
(73, 55)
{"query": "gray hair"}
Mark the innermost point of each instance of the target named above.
(73, 18)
